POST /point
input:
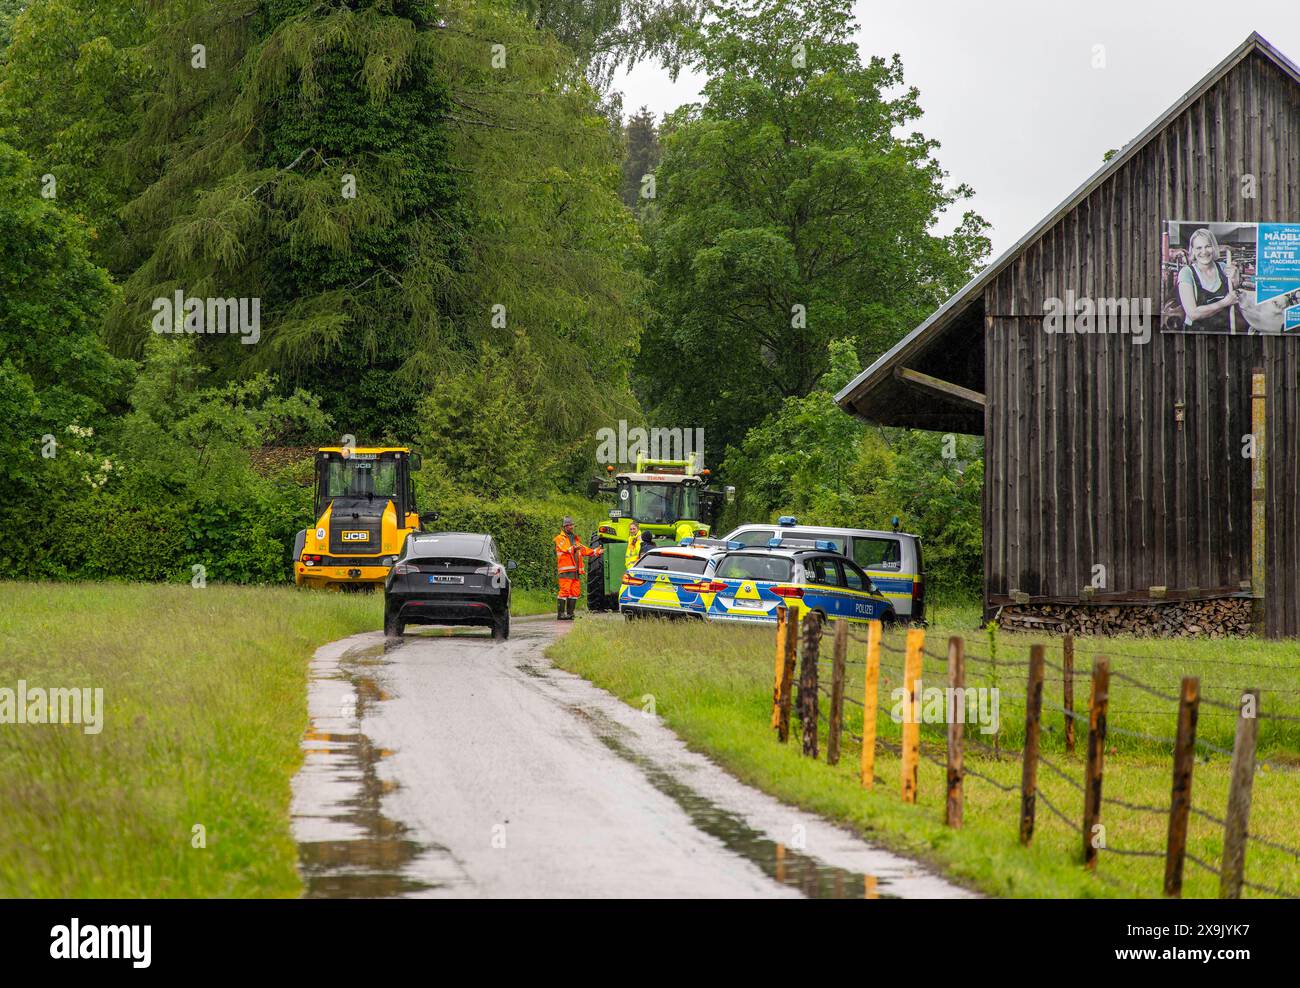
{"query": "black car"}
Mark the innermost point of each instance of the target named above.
(455, 578)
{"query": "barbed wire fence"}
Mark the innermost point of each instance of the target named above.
(799, 643)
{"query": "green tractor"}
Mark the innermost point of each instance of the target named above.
(666, 498)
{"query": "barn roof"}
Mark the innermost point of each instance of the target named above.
(933, 377)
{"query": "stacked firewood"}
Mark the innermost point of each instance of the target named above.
(1226, 617)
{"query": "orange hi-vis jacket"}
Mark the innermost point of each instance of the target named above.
(570, 553)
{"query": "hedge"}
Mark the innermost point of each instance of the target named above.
(125, 535)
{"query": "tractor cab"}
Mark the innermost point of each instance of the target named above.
(364, 506)
(669, 501)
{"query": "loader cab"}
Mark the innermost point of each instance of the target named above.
(364, 481)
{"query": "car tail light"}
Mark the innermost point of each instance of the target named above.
(496, 573)
(606, 530)
(788, 592)
(632, 581)
(405, 569)
(705, 586)
(918, 595)
(310, 559)
(701, 532)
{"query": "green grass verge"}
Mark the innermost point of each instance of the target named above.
(204, 708)
(712, 684)
(524, 602)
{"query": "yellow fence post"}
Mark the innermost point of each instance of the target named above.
(911, 713)
(780, 666)
(869, 690)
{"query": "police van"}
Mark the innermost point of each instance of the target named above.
(891, 559)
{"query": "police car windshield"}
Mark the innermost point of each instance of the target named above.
(670, 562)
(659, 504)
(738, 566)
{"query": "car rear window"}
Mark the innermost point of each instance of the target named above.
(447, 545)
(673, 562)
(738, 566)
(878, 553)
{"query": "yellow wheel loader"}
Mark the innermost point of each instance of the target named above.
(364, 508)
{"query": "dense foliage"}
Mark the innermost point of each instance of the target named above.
(447, 227)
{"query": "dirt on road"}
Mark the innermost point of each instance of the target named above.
(450, 765)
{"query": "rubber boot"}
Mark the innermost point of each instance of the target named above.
(559, 609)
(571, 606)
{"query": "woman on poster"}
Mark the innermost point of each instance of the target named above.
(1208, 288)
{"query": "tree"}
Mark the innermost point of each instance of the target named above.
(607, 34)
(54, 373)
(475, 426)
(642, 155)
(71, 88)
(397, 183)
(789, 214)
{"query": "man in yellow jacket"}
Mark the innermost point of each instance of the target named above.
(570, 554)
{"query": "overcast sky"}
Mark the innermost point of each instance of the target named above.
(1009, 90)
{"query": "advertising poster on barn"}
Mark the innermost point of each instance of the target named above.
(1235, 278)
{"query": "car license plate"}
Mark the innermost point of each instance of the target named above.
(446, 579)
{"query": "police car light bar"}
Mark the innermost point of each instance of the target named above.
(787, 520)
(825, 545)
(701, 543)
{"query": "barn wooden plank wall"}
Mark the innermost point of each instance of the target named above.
(1085, 462)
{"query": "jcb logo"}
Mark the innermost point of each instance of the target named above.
(356, 536)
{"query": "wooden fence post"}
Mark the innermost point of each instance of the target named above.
(1238, 816)
(812, 637)
(791, 645)
(1097, 704)
(1180, 800)
(837, 693)
(956, 725)
(911, 714)
(779, 666)
(1029, 760)
(1067, 690)
(871, 682)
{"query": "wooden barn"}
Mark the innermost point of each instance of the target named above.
(1135, 482)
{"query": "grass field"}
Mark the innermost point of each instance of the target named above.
(712, 684)
(204, 708)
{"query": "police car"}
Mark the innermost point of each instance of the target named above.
(891, 559)
(673, 581)
(804, 574)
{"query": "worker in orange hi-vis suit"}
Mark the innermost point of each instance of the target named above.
(569, 556)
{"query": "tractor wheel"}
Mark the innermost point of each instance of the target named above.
(597, 599)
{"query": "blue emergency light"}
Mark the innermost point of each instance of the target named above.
(787, 520)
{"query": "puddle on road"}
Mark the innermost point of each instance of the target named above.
(371, 864)
(784, 864)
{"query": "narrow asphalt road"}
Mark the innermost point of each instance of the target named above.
(450, 765)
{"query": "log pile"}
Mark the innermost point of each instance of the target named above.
(1226, 617)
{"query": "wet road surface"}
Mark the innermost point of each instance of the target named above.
(450, 765)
